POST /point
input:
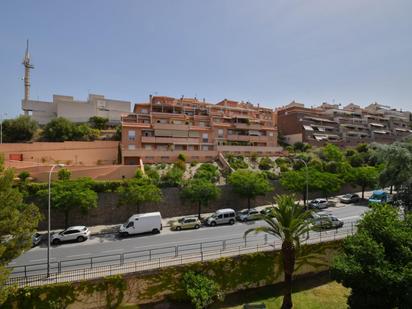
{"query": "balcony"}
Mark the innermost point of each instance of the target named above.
(252, 126)
(169, 140)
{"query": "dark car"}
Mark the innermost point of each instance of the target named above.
(350, 198)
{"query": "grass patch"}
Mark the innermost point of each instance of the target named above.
(328, 295)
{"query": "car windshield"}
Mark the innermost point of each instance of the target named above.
(244, 212)
(347, 196)
(376, 197)
(181, 220)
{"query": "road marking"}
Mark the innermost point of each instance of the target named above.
(111, 251)
(41, 260)
(77, 255)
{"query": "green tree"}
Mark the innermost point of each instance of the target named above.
(69, 195)
(289, 223)
(64, 174)
(200, 191)
(138, 191)
(365, 177)
(376, 262)
(61, 129)
(21, 129)
(331, 153)
(200, 290)
(152, 173)
(23, 176)
(249, 184)
(17, 223)
(118, 134)
(301, 147)
(98, 122)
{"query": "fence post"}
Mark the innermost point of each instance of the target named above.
(159, 262)
(201, 254)
(351, 229)
(59, 267)
(150, 254)
(122, 259)
(25, 272)
(176, 251)
(245, 241)
(91, 262)
(266, 239)
(224, 245)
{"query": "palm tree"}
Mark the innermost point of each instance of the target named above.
(287, 222)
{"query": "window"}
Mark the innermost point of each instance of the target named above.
(220, 132)
(148, 146)
(220, 216)
(226, 215)
(205, 137)
(205, 147)
(131, 135)
(190, 148)
(130, 224)
(270, 133)
(144, 111)
(202, 124)
(177, 122)
(131, 147)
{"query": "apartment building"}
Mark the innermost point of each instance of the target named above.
(350, 125)
(164, 127)
(76, 110)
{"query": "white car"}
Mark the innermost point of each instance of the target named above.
(77, 233)
(321, 203)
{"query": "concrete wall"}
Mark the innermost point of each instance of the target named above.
(109, 212)
(76, 153)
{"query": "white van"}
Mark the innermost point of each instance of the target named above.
(142, 223)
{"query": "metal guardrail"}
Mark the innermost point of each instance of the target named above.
(143, 260)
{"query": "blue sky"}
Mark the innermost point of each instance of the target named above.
(268, 52)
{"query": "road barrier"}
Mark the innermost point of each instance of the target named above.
(143, 260)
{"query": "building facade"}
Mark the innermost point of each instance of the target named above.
(347, 126)
(76, 110)
(164, 127)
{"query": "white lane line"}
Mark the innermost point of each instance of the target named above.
(111, 251)
(353, 217)
(77, 255)
(41, 260)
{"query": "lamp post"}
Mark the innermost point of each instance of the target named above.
(48, 218)
(305, 200)
(1, 126)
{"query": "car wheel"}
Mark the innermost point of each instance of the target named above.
(197, 226)
(213, 223)
(56, 241)
(80, 239)
(155, 231)
(231, 222)
(124, 234)
(178, 228)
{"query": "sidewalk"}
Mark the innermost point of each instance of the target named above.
(113, 228)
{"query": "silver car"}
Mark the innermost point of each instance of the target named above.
(73, 233)
(222, 216)
(36, 238)
(321, 203)
(247, 215)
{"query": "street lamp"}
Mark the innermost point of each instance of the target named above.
(48, 218)
(1, 126)
(307, 180)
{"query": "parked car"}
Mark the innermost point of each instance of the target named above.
(349, 198)
(77, 233)
(268, 211)
(380, 197)
(222, 216)
(186, 223)
(321, 203)
(247, 215)
(36, 238)
(326, 222)
(142, 223)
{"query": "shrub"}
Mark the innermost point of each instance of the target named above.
(200, 290)
(271, 175)
(180, 165)
(64, 174)
(172, 178)
(207, 171)
(139, 174)
(152, 173)
(265, 164)
(193, 163)
(181, 157)
(253, 157)
(24, 175)
(237, 162)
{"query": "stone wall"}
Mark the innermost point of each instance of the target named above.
(110, 212)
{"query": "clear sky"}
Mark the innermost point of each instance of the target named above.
(268, 52)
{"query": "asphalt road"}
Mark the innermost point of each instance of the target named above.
(111, 247)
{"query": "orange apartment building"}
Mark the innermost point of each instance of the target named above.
(164, 127)
(347, 126)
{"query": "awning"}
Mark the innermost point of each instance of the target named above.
(320, 137)
(380, 132)
(400, 129)
(320, 119)
(376, 124)
(308, 128)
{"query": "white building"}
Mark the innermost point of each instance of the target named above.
(75, 110)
